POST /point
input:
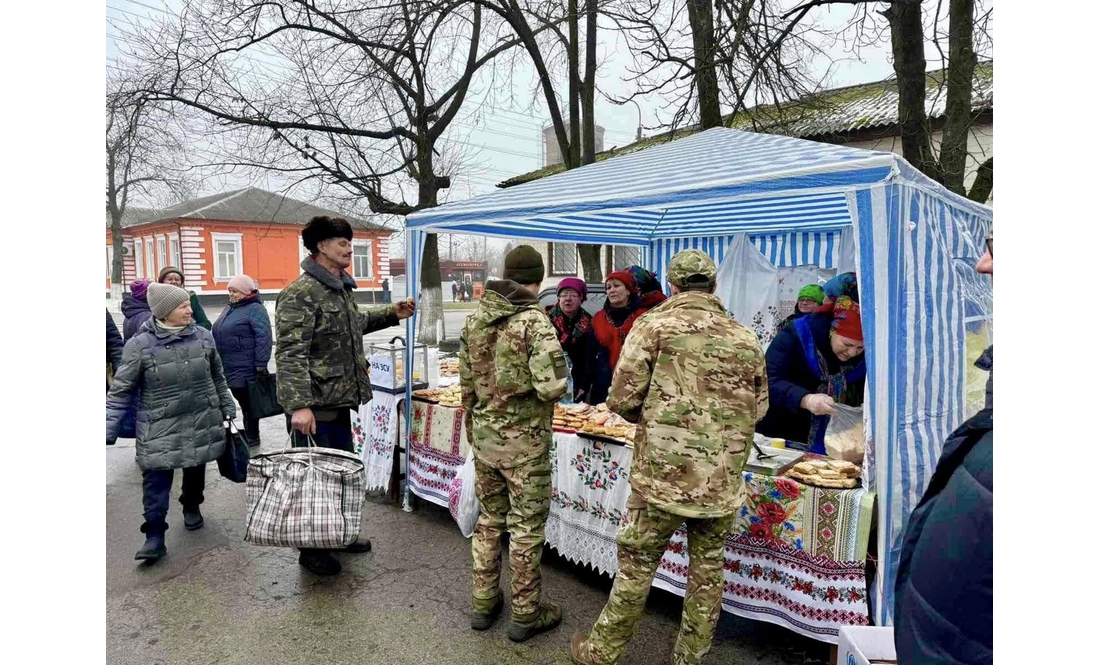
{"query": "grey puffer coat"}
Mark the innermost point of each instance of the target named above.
(184, 397)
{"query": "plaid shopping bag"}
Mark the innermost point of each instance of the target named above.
(305, 497)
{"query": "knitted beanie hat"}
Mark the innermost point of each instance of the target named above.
(243, 283)
(524, 266)
(163, 298)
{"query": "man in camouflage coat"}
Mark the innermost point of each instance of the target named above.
(321, 371)
(695, 382)
(512, 371)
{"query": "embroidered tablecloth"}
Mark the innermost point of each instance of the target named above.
(437, 449)
(796, 558)
(375, 428)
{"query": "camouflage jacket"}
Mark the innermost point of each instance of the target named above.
(695, 382)
(512, 371)
(319, 332)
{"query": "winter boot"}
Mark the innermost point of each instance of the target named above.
(319, 562)
(359, 546)
(485, 621)
(153, 550)
(192, 518)
(523, 629)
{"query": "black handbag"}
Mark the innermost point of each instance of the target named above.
(262, 399)
(233, 462)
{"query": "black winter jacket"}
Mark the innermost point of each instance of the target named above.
(943, 595)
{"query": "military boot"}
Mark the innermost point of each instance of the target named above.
(547, 618)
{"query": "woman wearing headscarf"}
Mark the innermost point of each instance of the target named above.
(174, 276)
(649, 289)
(185, 404)
(243, 336)
(135, 308)
(813, 363)
(610, 327)
(574, 326)
(810, 297)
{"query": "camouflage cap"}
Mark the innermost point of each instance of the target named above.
(691, 263)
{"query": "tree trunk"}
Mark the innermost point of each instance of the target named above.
(907, 42)
(589, 254)
(117, 261)
(589, 89)
(574, 85)
(430, 320)
(590, 263)
(701, 18)
(982, 188)
(960, 88)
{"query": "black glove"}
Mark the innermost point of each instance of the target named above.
(262, 372)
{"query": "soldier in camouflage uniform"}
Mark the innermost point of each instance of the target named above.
(321, 371)
(512, 371)
(695, 382)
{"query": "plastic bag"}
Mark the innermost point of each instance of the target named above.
(462, 501)
(844, 434)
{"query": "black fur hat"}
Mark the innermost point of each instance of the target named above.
(323, 228)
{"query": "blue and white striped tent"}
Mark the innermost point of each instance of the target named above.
(915, 246)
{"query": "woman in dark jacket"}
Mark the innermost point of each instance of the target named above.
(174, 276)
(135, 309)
(573, 326)
(610, 327)
(243, 336)
(114, 349)
(185, 403)
(812, 364)
(810, 297)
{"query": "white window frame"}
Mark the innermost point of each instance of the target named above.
(174, 250)
(302, 253)
(363, 242)
(162, 253)
(238, 260)
(150, 266)
(110, 258)
(139, 259)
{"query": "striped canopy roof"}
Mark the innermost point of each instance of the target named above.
(715, 182)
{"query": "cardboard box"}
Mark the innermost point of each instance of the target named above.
(866, 645)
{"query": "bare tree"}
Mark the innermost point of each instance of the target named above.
(547, 16)
(910, 28)
(144, 159)
(357, 97)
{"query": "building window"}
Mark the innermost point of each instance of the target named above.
(563, 258)
(110, 259)
(624, 257)
(361, 259)
(174, 250)
(227, 255)
(162, 253)
(150, 267)
(139, 260)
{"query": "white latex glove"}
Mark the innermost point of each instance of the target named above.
(819, 405)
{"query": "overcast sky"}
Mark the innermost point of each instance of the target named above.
(503, 142)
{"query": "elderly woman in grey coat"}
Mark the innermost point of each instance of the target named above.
(185, 403)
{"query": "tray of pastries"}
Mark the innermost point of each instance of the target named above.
(824, 472)
(450, 396)
(596, 422)
(448, 367)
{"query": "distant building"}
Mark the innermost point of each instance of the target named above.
(250, 231)
(551, 152)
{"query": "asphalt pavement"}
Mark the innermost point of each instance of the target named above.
(218, 599)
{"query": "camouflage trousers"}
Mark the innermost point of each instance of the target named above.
(519, 499)
(641, 542)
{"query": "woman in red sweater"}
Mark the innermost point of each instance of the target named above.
(610, 327)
